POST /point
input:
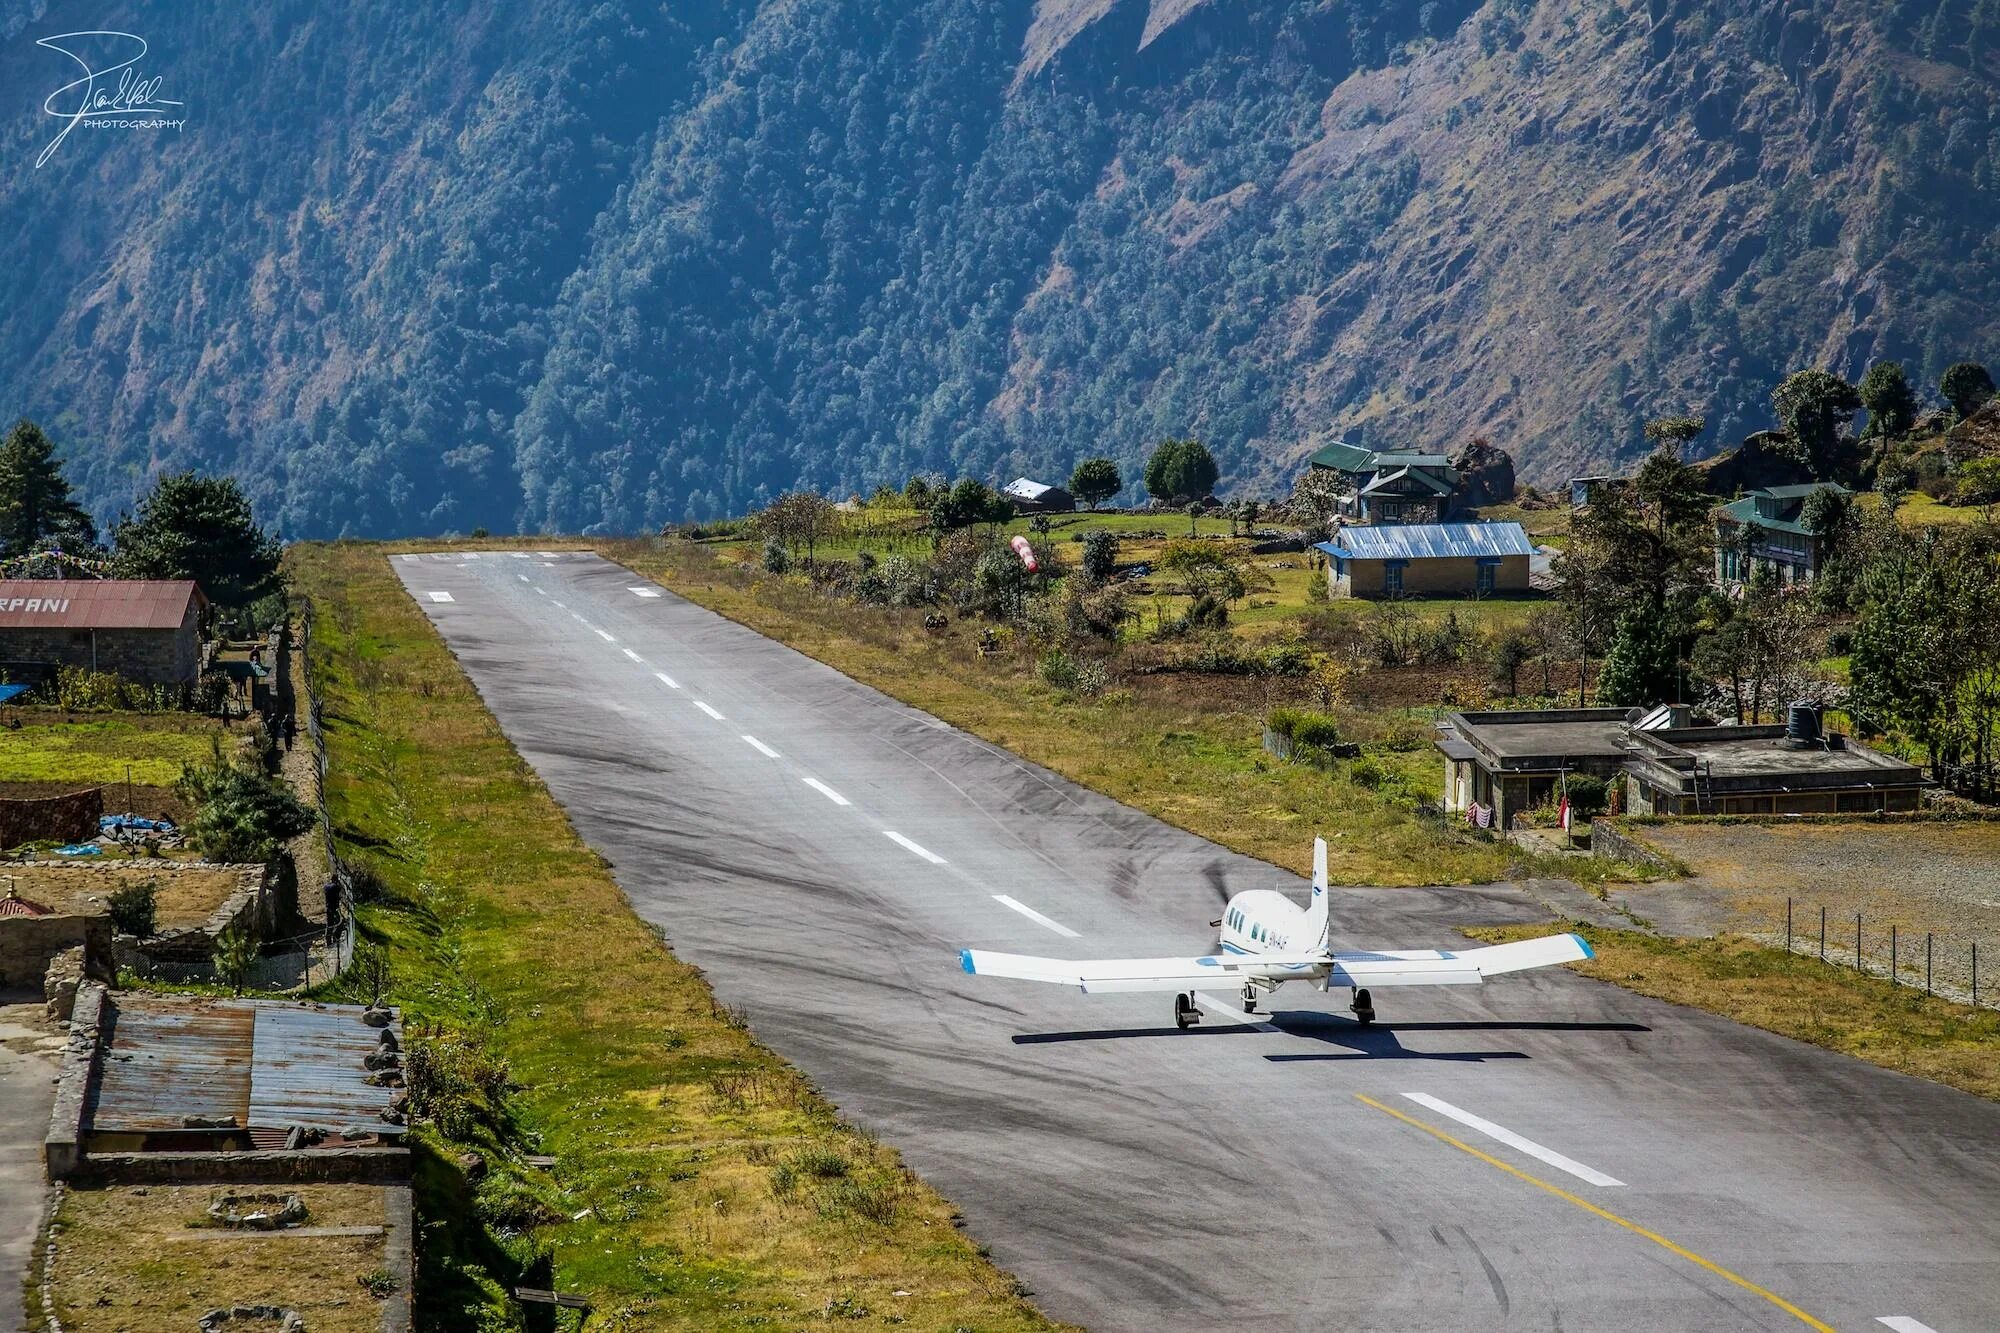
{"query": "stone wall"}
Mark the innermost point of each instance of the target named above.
(148, 656)
(62, 1146)
(189, 954)
(27, 943)
(1609, 840)
(354, 1166)
(71, 818)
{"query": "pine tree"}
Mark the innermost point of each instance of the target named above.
(1643, 666)
(36, 511)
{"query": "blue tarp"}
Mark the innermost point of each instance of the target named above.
(10, 691)
(80, 849)
(139, 823)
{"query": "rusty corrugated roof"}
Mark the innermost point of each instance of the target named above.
(14, 904)
(268, 1064)
(96, 603)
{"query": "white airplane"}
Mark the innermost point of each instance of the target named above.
(1267, 940)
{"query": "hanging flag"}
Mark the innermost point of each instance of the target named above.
(1563, 814)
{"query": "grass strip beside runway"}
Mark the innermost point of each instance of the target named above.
(1796, 995)
(699, 1181)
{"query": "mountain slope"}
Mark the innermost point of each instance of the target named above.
(585, 266)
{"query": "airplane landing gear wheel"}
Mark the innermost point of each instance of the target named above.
(1185, 1014)
(1364, 1007)
(1249, 998)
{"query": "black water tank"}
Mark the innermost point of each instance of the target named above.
(1802, 724)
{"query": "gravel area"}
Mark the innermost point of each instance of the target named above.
(1941, 878)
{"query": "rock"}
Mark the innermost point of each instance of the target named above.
(1485, 475)
(472, 1165)
(378, 1018)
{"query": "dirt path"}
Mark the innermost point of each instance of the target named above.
(30, 1048)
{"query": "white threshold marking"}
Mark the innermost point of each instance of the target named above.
(518, 555)
(471, 555)
(827, 792)
(634, 656)
(1032, 915)
(602, 635)
(440, 597)
(1902, 1323)
(408, 556)
(1233, 1014)
(1589, 1175)
(760, 747)
(910, 846)
(546, 555)
(666, 680)
(644, 592)
(706, 709)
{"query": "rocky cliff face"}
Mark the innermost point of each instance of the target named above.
(602, 265)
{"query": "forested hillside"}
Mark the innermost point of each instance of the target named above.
(607, 264)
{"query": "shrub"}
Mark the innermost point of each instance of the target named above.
(1977, 482)
(906, 582)
(1302, 726)
(454, 1081)
(776, 558)
(236, 951)
(1100, 555)
(821, 1163)
(1587, 796)
(1000, 584)
(1078, 675)
(1367, 771)
(1207, 612)
(133, 909)
(241, 814)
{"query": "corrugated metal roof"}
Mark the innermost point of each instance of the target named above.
(95, 603)
(308, 1069)
(15, 905)
(1429, 541)
(267, 1064)
(1021, 488)
(168, 1060)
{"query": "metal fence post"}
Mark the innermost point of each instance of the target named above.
(1788, 925)
(1892, 955)
(1822, 934)
(1975, 974)
(1927, 962)
(1857, 941)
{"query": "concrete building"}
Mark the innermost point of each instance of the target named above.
(1389, 486)
(1498, 764)
(1032, 497)
(1764, 530)
(1429, 560)
(146, 631)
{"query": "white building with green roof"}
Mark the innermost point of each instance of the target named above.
(1766, 530)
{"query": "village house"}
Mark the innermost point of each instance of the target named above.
(1389, 486)
(1428, 560)
(146, 631)
(1765, 530)
(1032, 497)
(1499, 764)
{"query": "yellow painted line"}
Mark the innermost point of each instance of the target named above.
(1606, 1214)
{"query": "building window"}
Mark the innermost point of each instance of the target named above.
(1392, 579)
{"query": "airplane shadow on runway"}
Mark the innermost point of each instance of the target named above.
(1378, 1041)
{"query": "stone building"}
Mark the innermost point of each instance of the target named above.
(147, 631)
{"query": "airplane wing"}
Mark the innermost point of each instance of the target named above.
(1106, 975)
(1430, 967)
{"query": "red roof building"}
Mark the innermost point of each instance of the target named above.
(146, 630)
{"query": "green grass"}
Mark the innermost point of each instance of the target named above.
(694, 1187)
(98, 751)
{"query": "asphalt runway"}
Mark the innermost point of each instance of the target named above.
(1542, 1152)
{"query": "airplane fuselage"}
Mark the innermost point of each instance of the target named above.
(1264, 921)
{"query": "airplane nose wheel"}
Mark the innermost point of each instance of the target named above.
(1249, 998)
(1185, 1014)
(1364, 1007)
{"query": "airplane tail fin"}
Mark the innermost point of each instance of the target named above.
(1319, 924)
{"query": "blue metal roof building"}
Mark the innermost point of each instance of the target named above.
(1438, 559)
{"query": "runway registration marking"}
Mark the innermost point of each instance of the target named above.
(827, 792)
(1036, 917)
(634, 656)
(644, 592)
(759, 746)
(602, 635)
(1589, 1175)
(909, 846)
(440, 597)
(666, 680)
(706, 709)
(1902, 1323)
(1609, 1216)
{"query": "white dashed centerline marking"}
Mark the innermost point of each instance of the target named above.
(909, 846)
(1902, 1323)
(827, 792)
(1589, 1175)
(666, 680)
(644, 592)
(539, 591)
(522, 577)
(440, 597)
(602, 635)
(1032, 915)
(760, 747)
(634, 656)
(565, 606)
(706, 709)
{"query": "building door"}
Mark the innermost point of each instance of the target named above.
(1486, 578)
(1392, 579)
